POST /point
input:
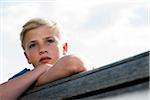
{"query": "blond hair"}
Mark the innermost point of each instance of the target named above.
(36, 23)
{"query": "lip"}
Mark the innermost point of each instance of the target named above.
(44, 59)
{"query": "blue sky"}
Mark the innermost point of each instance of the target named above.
(100, 31)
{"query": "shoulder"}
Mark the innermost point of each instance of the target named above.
(20, 73)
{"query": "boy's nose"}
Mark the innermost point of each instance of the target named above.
(43, 49)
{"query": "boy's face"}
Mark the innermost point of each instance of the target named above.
(42, 46)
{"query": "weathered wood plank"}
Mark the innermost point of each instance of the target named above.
(132, 72)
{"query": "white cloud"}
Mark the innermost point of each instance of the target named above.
(120, 39)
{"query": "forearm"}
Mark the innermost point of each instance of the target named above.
(51, 75)
(12, 89)
(64, 67)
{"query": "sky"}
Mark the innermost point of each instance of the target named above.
(100, 31)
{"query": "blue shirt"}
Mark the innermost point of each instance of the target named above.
(20, 73)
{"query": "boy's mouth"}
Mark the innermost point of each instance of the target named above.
(45, 60)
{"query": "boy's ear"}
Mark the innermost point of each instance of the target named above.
(27, 57)
(65, 48)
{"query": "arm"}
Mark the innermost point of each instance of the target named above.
(66, 66)
(12, 89)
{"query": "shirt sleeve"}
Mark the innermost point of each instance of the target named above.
(20, 73)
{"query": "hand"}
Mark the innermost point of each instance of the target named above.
(44, 67)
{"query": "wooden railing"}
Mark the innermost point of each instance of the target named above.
(123, 77)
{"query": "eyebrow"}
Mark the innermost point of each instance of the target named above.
(34, 41)
(48, 37)
(45, 38)
(52, 37)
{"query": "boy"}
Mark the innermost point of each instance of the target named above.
(45, 50)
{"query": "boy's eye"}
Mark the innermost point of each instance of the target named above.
(32, 45)
(50, 41)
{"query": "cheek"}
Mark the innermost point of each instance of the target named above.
(56, 51)
(32, 55)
